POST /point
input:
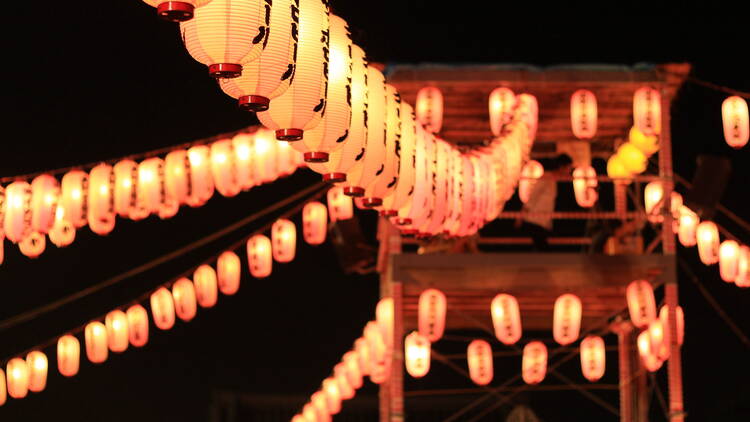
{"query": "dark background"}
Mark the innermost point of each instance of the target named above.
(86, 81)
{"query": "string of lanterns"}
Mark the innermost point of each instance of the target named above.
(45, 207)
(128, 325)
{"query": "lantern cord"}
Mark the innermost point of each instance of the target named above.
(724, 210)
(707, 84)
(136, 156)
(714, 304)
(13, 321)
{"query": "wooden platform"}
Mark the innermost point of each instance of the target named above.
(470, 281)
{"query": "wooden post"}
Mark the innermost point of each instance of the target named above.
(624, 331)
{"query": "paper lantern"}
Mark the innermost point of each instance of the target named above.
(223, 168)
(406, 172)
(225, 34)
(373, 154)
(641, 303)
(531, 171)
(176, 11)
(502, 102)
(653, 196)
(17, 373)
(95, 335)
(201, 182)
(183, 295)
(534, 362)
(259, 256)
(73, 196)
(743, 268)
(300, 108)
(137, 325)
(734, 115)
(650, 360)
(17, 196)
(440, 199)
(206, 286)
(384, 316)
(479, 357)
(314, 222)
(101, 212)
(44, 197)
(647, 110)
(308, 412)
(506, 318)
(631, 158)
(584, 186)
(116, 323)
(353, 370)
(729, 256)
(340, 206)
(616, 170)
(417, 354)
(674, 207)
(429, 108)
(647, 144)
(287, 159)
(657, 334)
(679, 318)
(431, 314)
(265, 168)
(583, 114)
(567, 319)
(300, 418)
(341, 375)
(37, 364)
(593, 358)
(284, 239)
(68, 355)
(3, 388)
(242, 147)
(162, 309)
(126, 182)
(686, 232)
(364, 355)
(228, 273)
(376, 347)
(387, 178)
(320, 404)
(707, 238)
(528, 112)
(32, 245)
(271, 73)
(330, 389)
(149, 188)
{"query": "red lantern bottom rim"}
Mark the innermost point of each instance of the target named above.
(225, 70)
(388, 213)
(289, 134)
(402, 221)
(316, 157)
(372, 202)
(334, 177)
(253, 103)
(354, 191)
(175, 11)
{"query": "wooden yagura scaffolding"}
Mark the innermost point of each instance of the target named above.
(471, 280)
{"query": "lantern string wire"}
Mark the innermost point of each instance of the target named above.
(724, 210)
(136, 156)
(303, 196)
(707, 84)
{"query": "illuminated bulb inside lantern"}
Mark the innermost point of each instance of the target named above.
(242, 151)
(220, 158)
(196, 159)
(262, 145)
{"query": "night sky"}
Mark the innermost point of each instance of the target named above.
(90, 81)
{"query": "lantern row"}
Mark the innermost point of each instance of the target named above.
(732, 257)
(181, 299)
(46, 207)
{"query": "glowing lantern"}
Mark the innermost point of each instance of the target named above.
(583, 114)
(502, 102)
(616, 169)
(674, 207)
(417, 354)
(223, 168)
(330, 389)
(632, 159)
(431, 315)
(259, 256)
(176, 11)
(201, 181)
(264, 150)
(707, 237)
(650, 360)
(320, 404)
(73, 196)
(352, 369)
(17, 373)
(377, 352)
(270, 75)
(308, 412)
(407, 165)
(301, 106)
(506, 318)
(479, 357)
(206, 286)
(183, 294)
(364, 357)
(340, 206)
(647, 144)
(116, 323)
(228, 273)
(384, 315)
(299, 418)
(126, 181)
(242, 146)
(531, 171)
(101, 213)
(641, 303)
(149, 188)
(686, 232)
(567, 319)
(32, 245)
(743, 268)
(679, 317)
(17, 195)
(387, 179)
(729, 256)
(373, 153)
(653, 196)
(44, 197)
(593, 358)
(37, 364)
(584, 186)
(284, 239)
(137, 325)
(734, 114)
(429, 108)
(95, 335)
(341, 374)
(647, 110)
(225, 34)
(3, 388)
(534, 362)
(314, 223)
(162, 309)
(68, 355)
(657, 333)
(528, 109)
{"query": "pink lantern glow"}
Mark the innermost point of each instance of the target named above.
(729, 256)
(479, 356)
(593, 358)
(417, 354)
(707, 237)
(431, 314)
(641, 303)
(567, 319)
(734, 114)
(583, 114)
(534, 362)
(584, 186)
(531, 171)
(647, 110)
(506, 318)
